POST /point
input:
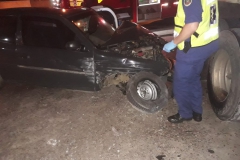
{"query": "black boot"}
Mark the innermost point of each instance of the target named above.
(177, 118)
(197, 117)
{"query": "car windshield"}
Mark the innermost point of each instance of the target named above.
(93, 26)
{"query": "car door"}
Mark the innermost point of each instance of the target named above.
(8, 58)
(46, 55)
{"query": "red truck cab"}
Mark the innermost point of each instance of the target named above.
(139, 11)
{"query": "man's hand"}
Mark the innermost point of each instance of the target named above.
(169, 46)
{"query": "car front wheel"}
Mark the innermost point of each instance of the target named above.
(147, 92)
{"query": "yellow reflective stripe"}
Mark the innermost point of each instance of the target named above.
(99, 1)
(212, 32)
(175, 34)
(209, 1)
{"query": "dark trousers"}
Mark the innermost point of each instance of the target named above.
(187, 87)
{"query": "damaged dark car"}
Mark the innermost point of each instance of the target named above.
(78, 49)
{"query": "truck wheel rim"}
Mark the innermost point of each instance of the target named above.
(147, 90)
(221, 75)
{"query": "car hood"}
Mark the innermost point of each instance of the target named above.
(129, 31)
(131, 39)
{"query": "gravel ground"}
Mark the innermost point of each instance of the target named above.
(39, 123)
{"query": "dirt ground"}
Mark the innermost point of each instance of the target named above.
(39, 123)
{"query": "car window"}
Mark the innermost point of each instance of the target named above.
(8, 26)
(45, 32)
(93, 26)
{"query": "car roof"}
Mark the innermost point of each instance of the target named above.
(43, 11)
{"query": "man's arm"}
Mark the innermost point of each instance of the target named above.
(186, 32)
(193, 16)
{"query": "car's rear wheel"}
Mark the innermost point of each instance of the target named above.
(224, 77)
(147, 92)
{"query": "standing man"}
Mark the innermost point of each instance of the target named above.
(196, 37)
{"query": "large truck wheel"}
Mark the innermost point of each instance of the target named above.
(223, 25)
(224, 77)
(233, 22)
(147, 92)
(1, 82)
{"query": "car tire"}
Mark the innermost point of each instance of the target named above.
(224, 77)
(147, 92)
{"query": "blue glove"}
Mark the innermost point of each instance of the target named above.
(169, 46)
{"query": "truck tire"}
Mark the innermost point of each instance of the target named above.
(147, 92)
(224, 77)
(1, 82)
(233, 22)
(223, 25)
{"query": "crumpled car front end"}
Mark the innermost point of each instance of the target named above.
(129, 57)
(134, 41)
(141, 70)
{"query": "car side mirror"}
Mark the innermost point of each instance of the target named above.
(74, 45)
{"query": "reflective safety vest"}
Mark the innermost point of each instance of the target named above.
(208, 28)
